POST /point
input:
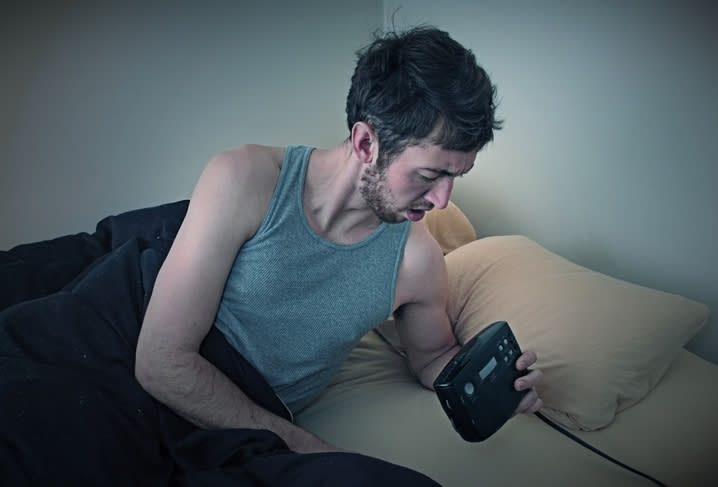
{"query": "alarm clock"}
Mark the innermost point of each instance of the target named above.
(476, 388)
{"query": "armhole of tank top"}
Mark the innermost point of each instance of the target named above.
(397, 266)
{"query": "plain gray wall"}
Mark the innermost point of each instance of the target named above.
(609, 154)
(111, 106)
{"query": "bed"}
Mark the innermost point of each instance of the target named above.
(616, 375)
(616, 372)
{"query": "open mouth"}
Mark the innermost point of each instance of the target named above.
(415, 215)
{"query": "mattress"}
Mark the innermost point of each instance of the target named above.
(376, 407)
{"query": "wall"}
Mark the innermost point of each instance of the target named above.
(608, 155)
(111, 106)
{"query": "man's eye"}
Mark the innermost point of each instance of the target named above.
(431, 177)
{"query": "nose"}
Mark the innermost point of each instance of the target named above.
(440, 192)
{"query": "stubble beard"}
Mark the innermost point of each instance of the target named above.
(377, 196)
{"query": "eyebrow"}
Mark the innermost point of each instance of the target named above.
(444, 172)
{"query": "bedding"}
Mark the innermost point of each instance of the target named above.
(375, 406)
(72, 412)
(615, 375)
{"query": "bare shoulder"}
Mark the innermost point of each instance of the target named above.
(248, 164)
(423, 271)
(261, 155)
(422, 252)
(237, 185)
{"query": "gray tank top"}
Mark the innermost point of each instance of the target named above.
(295, 304)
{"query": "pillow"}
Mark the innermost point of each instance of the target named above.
(450, 227)
(602, 343)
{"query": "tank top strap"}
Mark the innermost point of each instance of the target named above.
(287, 196)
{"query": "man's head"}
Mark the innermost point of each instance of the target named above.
(418, 179)
(421, 86)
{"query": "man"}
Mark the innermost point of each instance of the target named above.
(294, 253)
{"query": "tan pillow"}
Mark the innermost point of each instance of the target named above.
(450, 227)
(602, 343)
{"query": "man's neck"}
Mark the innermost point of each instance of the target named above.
(333, 204)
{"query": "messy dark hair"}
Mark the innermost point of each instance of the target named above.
(422, 86)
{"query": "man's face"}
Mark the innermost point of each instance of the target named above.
(415, 181)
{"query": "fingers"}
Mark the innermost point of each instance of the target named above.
(530, 403)
(526, 360)
(529, 380)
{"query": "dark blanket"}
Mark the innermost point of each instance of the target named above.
(71, 411)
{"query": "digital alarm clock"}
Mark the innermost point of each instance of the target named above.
(476, 388)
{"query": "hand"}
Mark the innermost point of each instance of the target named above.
(531, 401)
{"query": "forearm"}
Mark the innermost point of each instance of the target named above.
(198, 391)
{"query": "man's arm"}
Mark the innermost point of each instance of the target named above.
(423, 324)
(226, 208)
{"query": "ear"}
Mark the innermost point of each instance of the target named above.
(364, 143)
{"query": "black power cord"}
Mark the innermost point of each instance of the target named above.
(596, 450)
